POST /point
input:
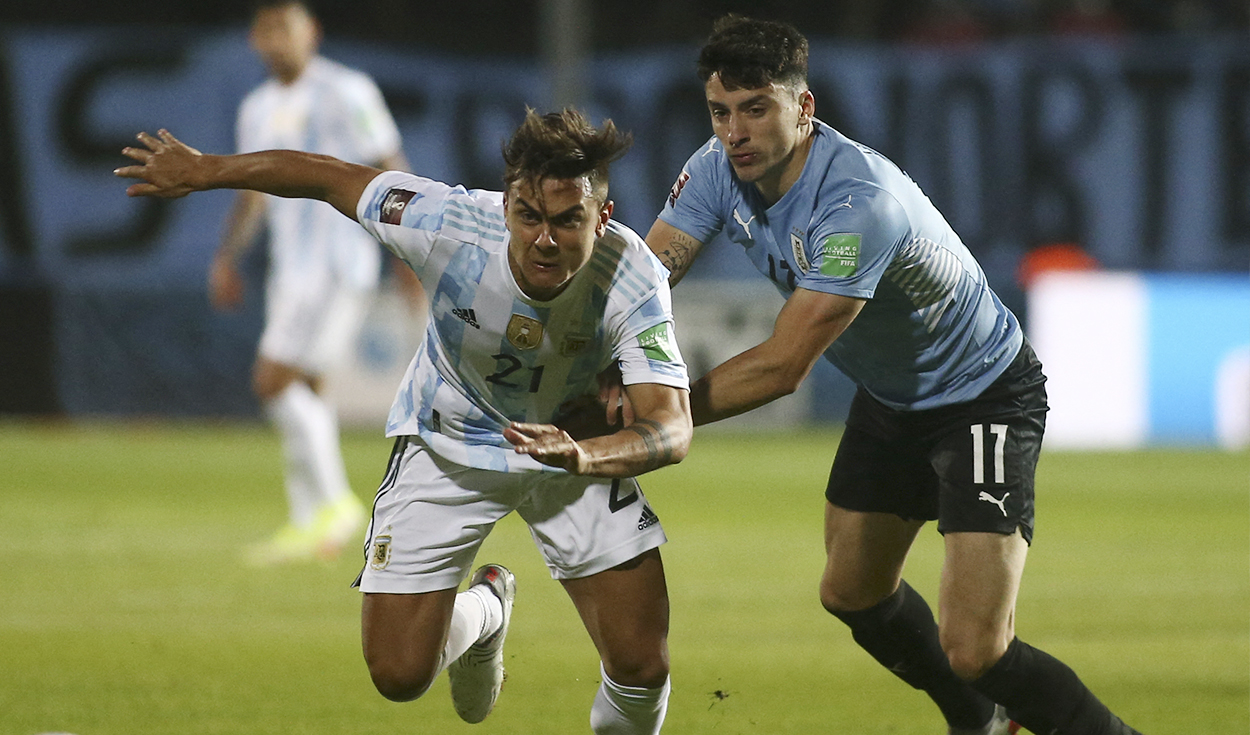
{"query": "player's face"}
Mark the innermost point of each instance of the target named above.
(285, 37)
(552, 232)
(761, 131)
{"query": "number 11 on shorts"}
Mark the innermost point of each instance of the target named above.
(978, 452)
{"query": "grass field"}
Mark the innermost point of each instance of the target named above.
(124, 608)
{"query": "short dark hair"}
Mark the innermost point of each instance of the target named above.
(748, 54)
(563, 145)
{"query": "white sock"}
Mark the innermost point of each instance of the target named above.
(314, 461)
(286, 411)
(473, 619)
(622, 710)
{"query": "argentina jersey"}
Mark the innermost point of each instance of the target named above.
(333, 110)
(491, 354)
(931, 333)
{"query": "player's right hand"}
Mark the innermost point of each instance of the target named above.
(166, 170)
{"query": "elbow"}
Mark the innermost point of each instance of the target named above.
(681, 444)
(786, 380)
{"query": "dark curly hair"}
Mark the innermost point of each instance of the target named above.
(563, 145)
(748, 54)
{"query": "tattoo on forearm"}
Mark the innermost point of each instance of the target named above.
(655, 438)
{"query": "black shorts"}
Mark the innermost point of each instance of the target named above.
(970, 465)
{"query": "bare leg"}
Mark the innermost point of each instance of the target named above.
(865, 555)
(403, 637)
(625, 611)
(980, 581)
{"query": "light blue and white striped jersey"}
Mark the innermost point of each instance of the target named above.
(932, 333)
(339, 112)
(491, 354)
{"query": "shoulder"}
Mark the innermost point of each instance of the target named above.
(399, 198)
(624, 265)
(342, 79)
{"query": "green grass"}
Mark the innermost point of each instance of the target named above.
(124, 608)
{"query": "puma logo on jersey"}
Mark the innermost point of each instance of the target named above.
(746, 226)
(467, 316)
(991, 499)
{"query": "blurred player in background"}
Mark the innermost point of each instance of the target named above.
(948, 419)
(322, 269)
(533, 292)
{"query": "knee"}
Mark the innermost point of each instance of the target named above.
(971, 657)
(399, 683)
(842, 598)
(642, 671)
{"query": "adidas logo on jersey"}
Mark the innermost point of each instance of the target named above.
(467, 316)
(647, 519)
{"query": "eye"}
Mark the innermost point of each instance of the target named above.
(529, 218)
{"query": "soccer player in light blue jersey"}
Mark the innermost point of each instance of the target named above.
(533, 292)
(948, 418)
(323, 269)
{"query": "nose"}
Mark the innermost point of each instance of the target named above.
(735, 131)
(545, 239)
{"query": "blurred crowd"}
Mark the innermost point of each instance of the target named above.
(510, 27)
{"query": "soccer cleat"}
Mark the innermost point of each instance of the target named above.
(337, 525)
(290, 544)
(999, 724)
(477, 676)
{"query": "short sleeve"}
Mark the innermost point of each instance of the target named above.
(647, 351)
(693, 204)
(853, 243)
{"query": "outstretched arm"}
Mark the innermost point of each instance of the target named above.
(808, 323)
(659, 436)
(168, 168)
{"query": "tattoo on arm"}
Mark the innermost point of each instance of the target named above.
(656, 439)
(678, 255)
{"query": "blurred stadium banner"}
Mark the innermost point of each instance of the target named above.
(1144, 359)
(1139, 149)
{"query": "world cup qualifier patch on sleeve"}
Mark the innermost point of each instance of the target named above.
(840, 255)
(657, 343)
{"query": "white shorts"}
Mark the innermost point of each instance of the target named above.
(431, 516)
(313, 329)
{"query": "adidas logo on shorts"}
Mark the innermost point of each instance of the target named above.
(647, 519)
(467, 316)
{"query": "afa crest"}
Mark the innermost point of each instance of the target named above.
(380, 552)
(524, 333)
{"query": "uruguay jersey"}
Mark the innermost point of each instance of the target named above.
(339, 112)
(491, 354)
(932, 332)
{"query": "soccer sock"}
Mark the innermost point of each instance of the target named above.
(476, 616)
(288, 413)
(310, 435)
(622, 710)
(1044, 695)
(901, 634)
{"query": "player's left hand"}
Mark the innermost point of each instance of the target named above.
(167, 167)
(548, 444)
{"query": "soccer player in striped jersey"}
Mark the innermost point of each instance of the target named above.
(323, 269)
(533, 292)
(948, 419)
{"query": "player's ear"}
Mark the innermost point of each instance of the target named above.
(605, 214)
(807, 106)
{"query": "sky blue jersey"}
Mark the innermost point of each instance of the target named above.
(932, 332)
(491, 354)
